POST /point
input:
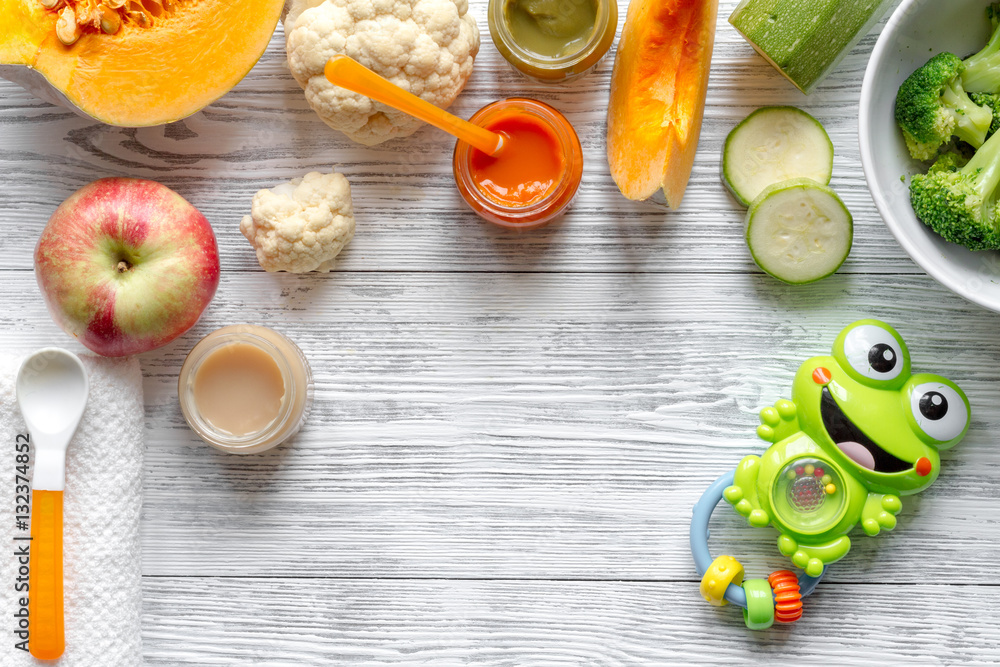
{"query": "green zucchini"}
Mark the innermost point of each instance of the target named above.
(806, 39)
(799, 231)
(775, 144)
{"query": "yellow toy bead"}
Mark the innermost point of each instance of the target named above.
(724, 570)
(810, 468)
(830, 489)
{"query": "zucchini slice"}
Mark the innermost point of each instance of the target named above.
(799, 231)
(775, 144)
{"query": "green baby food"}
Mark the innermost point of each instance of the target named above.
(551, 28)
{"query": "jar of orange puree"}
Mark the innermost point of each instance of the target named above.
(533, 178)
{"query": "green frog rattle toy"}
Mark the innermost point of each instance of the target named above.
(861, 431)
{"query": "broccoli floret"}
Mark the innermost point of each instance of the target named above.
(982, 70)
(961, 204)
(992, 102)
(949, 161)
(932, 106)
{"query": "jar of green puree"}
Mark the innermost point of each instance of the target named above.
(553, 40)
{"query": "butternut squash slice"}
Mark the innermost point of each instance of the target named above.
(658, 88)
(132, 63)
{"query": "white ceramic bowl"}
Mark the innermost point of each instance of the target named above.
(917, 30)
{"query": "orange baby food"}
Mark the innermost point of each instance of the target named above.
(527, 167)
(536, 173)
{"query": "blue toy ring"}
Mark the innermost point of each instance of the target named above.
(699, 540)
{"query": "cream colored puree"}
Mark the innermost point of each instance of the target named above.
(245, 388)
(238, 389)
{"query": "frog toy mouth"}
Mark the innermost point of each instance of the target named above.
(852, 441)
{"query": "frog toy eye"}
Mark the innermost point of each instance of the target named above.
(940, 411)
(874, 352)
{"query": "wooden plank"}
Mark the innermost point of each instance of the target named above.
(534, 425)
(409, 214)
(206, 621)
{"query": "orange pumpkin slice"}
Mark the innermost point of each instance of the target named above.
(133, 63)
(658, 89)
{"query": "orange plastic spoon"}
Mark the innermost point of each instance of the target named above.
(52, 390)
(347, 73)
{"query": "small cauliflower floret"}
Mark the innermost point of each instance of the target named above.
(301, 225)
(424, 46)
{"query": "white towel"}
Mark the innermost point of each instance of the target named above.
(103, 499)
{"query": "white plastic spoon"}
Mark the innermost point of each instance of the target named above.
(52, 392)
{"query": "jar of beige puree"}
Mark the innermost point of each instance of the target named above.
(245, 388)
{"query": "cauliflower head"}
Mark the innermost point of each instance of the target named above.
(424, 46)
(301, 225)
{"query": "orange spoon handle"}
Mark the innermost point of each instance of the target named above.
(46, 636)
(348, 73)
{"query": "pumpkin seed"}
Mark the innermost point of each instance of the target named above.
(67, 29)
(140, 18)
(104, 15)
(111, 21)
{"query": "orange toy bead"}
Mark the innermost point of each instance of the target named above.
(787, 598)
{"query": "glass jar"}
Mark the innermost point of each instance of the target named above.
(557, 68)
(295, 399)
(536, 213)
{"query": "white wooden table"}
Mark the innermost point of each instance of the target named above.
(510, 430)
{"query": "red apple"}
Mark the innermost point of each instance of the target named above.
(126, 265)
